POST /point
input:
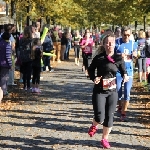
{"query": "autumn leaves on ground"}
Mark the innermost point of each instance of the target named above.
(142, 102)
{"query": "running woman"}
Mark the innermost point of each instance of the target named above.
(76, 41)
(87, 44)
(105, 96)
(127, 49)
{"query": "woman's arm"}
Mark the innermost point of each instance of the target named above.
(122, 68)
(91, 69)
(8, 55)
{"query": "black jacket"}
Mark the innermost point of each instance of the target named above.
(106, 68)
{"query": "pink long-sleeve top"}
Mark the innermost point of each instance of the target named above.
(89, 47)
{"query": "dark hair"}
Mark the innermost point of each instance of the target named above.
(148, 34)
(1, 28)
(27, 33)
(7, 27)
(86, 30)
(35, 42)
(6, 36)
(108, 30)
(125, 28)
(117, 28)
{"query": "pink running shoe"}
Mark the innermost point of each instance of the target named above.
(92, 130)
(105, 143)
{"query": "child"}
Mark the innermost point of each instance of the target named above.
(36, 55)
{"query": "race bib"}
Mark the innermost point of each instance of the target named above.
(109, 84)
(127, 57)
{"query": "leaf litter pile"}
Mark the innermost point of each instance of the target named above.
(142, 103)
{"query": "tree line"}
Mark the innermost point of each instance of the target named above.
(79, 13)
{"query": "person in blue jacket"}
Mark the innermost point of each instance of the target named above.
(128, 49)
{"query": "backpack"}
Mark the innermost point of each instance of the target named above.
(25, 50)
(47, 47)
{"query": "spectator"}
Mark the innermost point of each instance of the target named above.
(5, 61)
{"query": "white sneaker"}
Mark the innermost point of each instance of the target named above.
(41, 78)
(52, 70)
(59, 61)
(47, 68)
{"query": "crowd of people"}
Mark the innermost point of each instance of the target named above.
(113, 59)
(24, 57)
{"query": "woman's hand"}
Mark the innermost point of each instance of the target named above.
(123, 55)
(126, 78)
(97, 80)
(134, 53)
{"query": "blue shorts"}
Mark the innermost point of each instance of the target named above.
(127, 88)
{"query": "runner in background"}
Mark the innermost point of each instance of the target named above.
(104, 98)
(127, 49)
(118, 32)
(141, 56)
(75, 42)
(86, 44)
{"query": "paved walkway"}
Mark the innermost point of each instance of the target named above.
(59, 118)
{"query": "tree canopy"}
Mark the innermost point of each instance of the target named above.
(77, 13)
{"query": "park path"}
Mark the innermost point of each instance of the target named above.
(59, 118)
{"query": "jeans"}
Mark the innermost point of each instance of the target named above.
(46, 62)
(11, 77)
(4, 75)
(127, 88)
(66, 54)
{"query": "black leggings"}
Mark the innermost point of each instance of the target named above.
(26, 71)
(86, 60)
(36, 75)
(104, 106)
